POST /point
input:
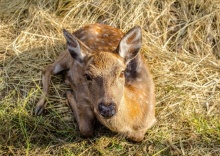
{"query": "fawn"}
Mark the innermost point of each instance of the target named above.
(109, 78)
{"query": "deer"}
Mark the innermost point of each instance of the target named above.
(109, 78)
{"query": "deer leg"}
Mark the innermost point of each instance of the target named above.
(49, 70)
(136, 136)
(84, 116)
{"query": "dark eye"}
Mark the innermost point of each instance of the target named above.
(122, 74)
(88, 77)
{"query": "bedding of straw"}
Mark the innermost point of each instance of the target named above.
(181, 43)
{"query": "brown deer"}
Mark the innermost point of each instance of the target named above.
(109, 78)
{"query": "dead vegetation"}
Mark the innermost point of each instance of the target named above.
(181, 45)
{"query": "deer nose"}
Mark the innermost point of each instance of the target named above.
(107, 110)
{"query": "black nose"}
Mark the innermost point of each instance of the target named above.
(107, 110)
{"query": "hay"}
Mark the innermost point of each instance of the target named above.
(181, 45)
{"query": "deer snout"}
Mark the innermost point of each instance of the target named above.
(107, 110)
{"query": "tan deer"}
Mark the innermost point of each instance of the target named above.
(109, 78)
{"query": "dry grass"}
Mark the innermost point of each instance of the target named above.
(182, 47)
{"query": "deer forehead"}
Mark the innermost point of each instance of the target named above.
(105, 63)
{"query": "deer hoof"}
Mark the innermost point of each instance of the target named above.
(38, 110)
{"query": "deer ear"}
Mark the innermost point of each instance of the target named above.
(77, 49)
(130, 44)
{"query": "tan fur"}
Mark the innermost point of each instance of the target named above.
(125, 82)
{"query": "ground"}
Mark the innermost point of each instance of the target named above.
(181, 43)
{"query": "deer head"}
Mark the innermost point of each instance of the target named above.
(104, 71)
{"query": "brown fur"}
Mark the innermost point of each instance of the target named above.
(102, 72)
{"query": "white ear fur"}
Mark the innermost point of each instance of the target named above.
(73, 46)
(130, 44)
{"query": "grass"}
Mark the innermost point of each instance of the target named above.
(181, 42)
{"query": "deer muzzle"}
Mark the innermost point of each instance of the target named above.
(107, 110)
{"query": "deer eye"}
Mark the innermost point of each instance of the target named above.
(122, 74)
(88, 77)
